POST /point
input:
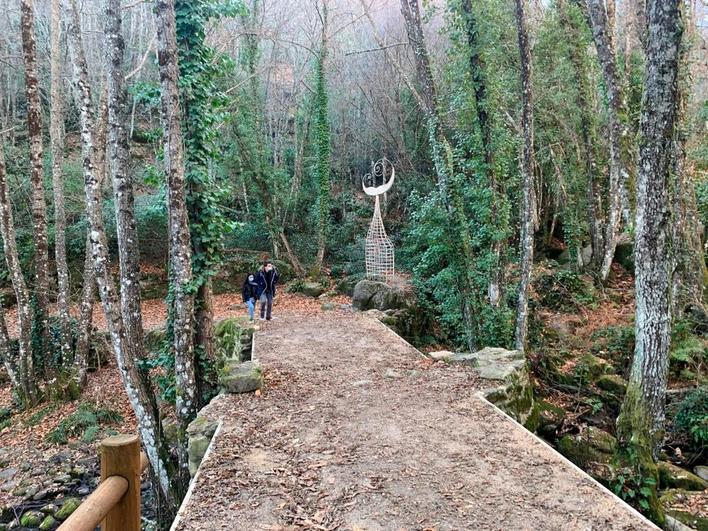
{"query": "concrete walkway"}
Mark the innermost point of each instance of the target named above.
(356, 430)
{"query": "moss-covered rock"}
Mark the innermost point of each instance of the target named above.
(549, 419)
(612, 383)
(312, 289)
(591, 445)
(591, 367)
(239, 377)
(31, 519)
(67, 508)
(199, 434)
(48, 523)
(672, 476)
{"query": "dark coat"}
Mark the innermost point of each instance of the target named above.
(250, 290)
(267, 281)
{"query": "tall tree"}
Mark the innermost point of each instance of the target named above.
(641, 421)
(604, 42)
(140, 397)
(56, 136)
(323, 145)
(527, 225)
(180, 247)
(482, 105)
(441, 154)
(39, 205)
(126, 227)
(583, 102)
(25, 367)
(201, 102)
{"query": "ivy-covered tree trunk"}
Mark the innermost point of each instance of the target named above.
(322, 141)
(38, 202)
(178, 228)
(602, 34)
(56, 135)
(527, 225)
(441, 154)
(477, 74)
(27, 389)
(140, 398)
(690, 273)
(587, 129)
(640, 426)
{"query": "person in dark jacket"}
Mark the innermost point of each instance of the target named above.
(267, 279)
(250, 293)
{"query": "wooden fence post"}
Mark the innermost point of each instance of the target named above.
(120, 456)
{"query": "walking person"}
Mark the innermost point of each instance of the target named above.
(267, 280)
(250, 292)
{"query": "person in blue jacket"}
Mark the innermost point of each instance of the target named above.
(250, 292)
(267, 279)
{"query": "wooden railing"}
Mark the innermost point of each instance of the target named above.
(115, 504)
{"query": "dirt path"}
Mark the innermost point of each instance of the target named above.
(355, 430)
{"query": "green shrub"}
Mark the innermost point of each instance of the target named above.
(84, 423)
(692, 416)
(689, 354)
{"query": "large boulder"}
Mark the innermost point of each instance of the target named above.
(373, 295)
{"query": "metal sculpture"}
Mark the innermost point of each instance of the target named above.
(380, 258)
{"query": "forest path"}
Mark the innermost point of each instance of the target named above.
(356, 430)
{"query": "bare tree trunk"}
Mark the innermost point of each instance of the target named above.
(88, 291)
(8, 361)
(141, 398)
(178, 226)
(39, 206)
(126, 228)
(25, 368)
(527, 225)
(604, 43)
(640, 426)
(56, 135)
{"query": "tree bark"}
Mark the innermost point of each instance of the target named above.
(39, 205)
(8, 360)
(527, 225)
(178, 226)
(56, 135)
(118, 153)
(641, 421)
(140, 397)
(25, 366)
(604, 43)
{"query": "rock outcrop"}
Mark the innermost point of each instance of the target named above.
(372, 295)
(240, 377)
(199, 434)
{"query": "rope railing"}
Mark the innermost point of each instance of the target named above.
(115, 504)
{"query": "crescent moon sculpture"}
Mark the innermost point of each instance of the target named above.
(378, 174)
(380, 257)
